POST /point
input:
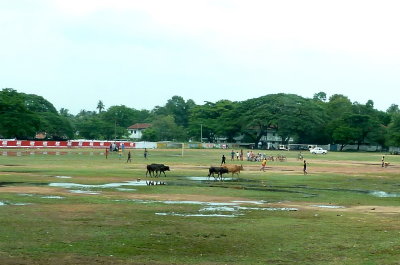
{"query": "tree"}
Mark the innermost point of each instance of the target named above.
(24, 115)
(164, 128)
(100, 106)
(214, 118)
(393, 109)
(291, 115)
(16, 120)
(52, 123)
(393, 131)
(320, 96)
(178, 108)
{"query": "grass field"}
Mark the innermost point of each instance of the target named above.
(77, 207)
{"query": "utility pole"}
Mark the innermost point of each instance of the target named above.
(115, 128)
(201, 132)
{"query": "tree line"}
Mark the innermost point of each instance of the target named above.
(318, 120)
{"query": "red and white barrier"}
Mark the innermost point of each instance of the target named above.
(63, 144)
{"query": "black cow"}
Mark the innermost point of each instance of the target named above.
(218, 170)
(162, 169)
(156, 169)
(151, 169)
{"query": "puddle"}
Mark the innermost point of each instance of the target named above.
(197, 215)
(218, 208)
(63, 177)
(199, 203)
(382, 194)
(52, 197)
(84, 192)
(376, 193)
(283, 209)
(329, 206)
(14, 204)
(100, 186)
(206, 179)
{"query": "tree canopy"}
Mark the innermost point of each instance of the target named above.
(317, 120)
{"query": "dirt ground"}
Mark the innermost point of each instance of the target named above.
(204, 198)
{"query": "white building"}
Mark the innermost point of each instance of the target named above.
(135, 130)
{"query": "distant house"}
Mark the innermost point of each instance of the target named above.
(135, 130)
(270, 140)
(40, 135)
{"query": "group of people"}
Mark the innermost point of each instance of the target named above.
(263, 163)
(256, 157)
(238, 155)
(120, 152)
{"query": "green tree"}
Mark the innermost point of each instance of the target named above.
(291, 115)
(52, 123)
(178, 108)
(16, 120)
(214, 118)
(393, 131)
(164, 128)
(320, 96)
(100, 106)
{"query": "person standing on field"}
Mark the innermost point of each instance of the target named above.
(223, 160)
(232, 155)
(129, 157)
(305, 167)
(120, 153)
(263, 164)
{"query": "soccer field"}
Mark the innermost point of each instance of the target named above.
(77, 207)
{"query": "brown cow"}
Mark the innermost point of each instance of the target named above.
(234, 169)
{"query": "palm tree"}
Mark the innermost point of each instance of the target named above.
(100, 106)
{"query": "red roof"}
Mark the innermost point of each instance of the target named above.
(139, 126)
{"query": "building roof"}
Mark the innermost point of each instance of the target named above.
(139, 126)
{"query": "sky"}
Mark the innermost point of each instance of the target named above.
(142, 53)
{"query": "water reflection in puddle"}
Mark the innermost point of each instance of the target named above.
(3, 203)
(197, 215)
(199, 203)
(84, 192)
(52, 197)
(329, 206)
(218, 209)
(382, 194)
(100, 186)
(206, 178)
(235, 208)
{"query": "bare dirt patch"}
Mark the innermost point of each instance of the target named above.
(30, 189)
